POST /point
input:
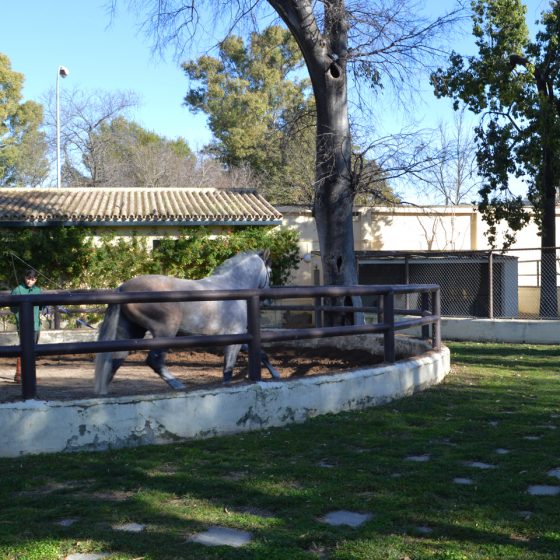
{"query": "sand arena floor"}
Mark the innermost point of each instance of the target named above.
(71, 377)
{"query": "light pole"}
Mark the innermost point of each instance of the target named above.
(61, 73)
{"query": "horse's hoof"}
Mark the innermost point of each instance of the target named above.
(175, 384)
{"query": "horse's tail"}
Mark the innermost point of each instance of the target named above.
(104, 360)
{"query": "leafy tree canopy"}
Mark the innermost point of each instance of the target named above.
(262, 115)
(128, 155)
(260, 110)
(511, 83)
(23, 146)
(250, 94)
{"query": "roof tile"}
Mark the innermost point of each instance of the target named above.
(110, 206)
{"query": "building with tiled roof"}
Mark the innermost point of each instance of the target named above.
(135, 207)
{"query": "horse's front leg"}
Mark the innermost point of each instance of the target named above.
(230, 357)
(156, 360)
(265, 362)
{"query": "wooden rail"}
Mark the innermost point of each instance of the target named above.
(386, 324)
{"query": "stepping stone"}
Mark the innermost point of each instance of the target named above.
(424, 530)
(325, 464)
(116, 496)
(478, 465)
(502, 451)
(554, 472)
(532, 438)
(493, 423)
(66, 522)
(343, 517)
(236, 476)
(129, 527)
(418, 458)
(543, 490)
(444, 441)
(222, 536)
(463, 481)
(526, 515)
(87, 556)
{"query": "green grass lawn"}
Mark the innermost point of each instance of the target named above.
(278, 484)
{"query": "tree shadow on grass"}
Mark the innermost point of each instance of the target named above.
(298, 474)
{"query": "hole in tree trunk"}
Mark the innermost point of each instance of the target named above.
(334, 70)
(339, 263)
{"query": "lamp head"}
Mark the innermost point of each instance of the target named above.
(63, 71)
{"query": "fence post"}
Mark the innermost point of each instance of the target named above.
(389, 334)
(254, 329)
(436, 329)
(490, 285)
(56, 316)
(407, 281)
(424, 307)
(27, 345)
(380, 308)
(318, 300)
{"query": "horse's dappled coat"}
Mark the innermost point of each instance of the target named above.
(165, 319)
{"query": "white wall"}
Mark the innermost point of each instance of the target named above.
(33, 426)
(399, 228)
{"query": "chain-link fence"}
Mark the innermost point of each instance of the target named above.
(489, 284)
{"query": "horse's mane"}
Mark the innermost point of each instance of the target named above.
(232, 262)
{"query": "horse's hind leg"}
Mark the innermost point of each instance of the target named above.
(116, 363)
(156, 360)
(125, 329)
(230, 357)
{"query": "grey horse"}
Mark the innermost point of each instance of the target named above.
(132, 320)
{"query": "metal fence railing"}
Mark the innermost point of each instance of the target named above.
(387, 321)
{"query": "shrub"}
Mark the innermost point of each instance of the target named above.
(67, 257)
(195, 253)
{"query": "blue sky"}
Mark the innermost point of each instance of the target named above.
(40, 35)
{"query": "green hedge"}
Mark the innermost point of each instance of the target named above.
(67, 257)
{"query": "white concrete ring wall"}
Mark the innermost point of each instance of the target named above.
(32, 426)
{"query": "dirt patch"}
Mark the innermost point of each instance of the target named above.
(71, 377)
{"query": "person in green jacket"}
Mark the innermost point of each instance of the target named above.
(28, 286)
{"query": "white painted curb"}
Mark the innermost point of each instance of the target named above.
(32, 427)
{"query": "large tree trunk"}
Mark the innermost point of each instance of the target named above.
(325, 53)
(548, 113)
(549, 292)
(334, 195)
